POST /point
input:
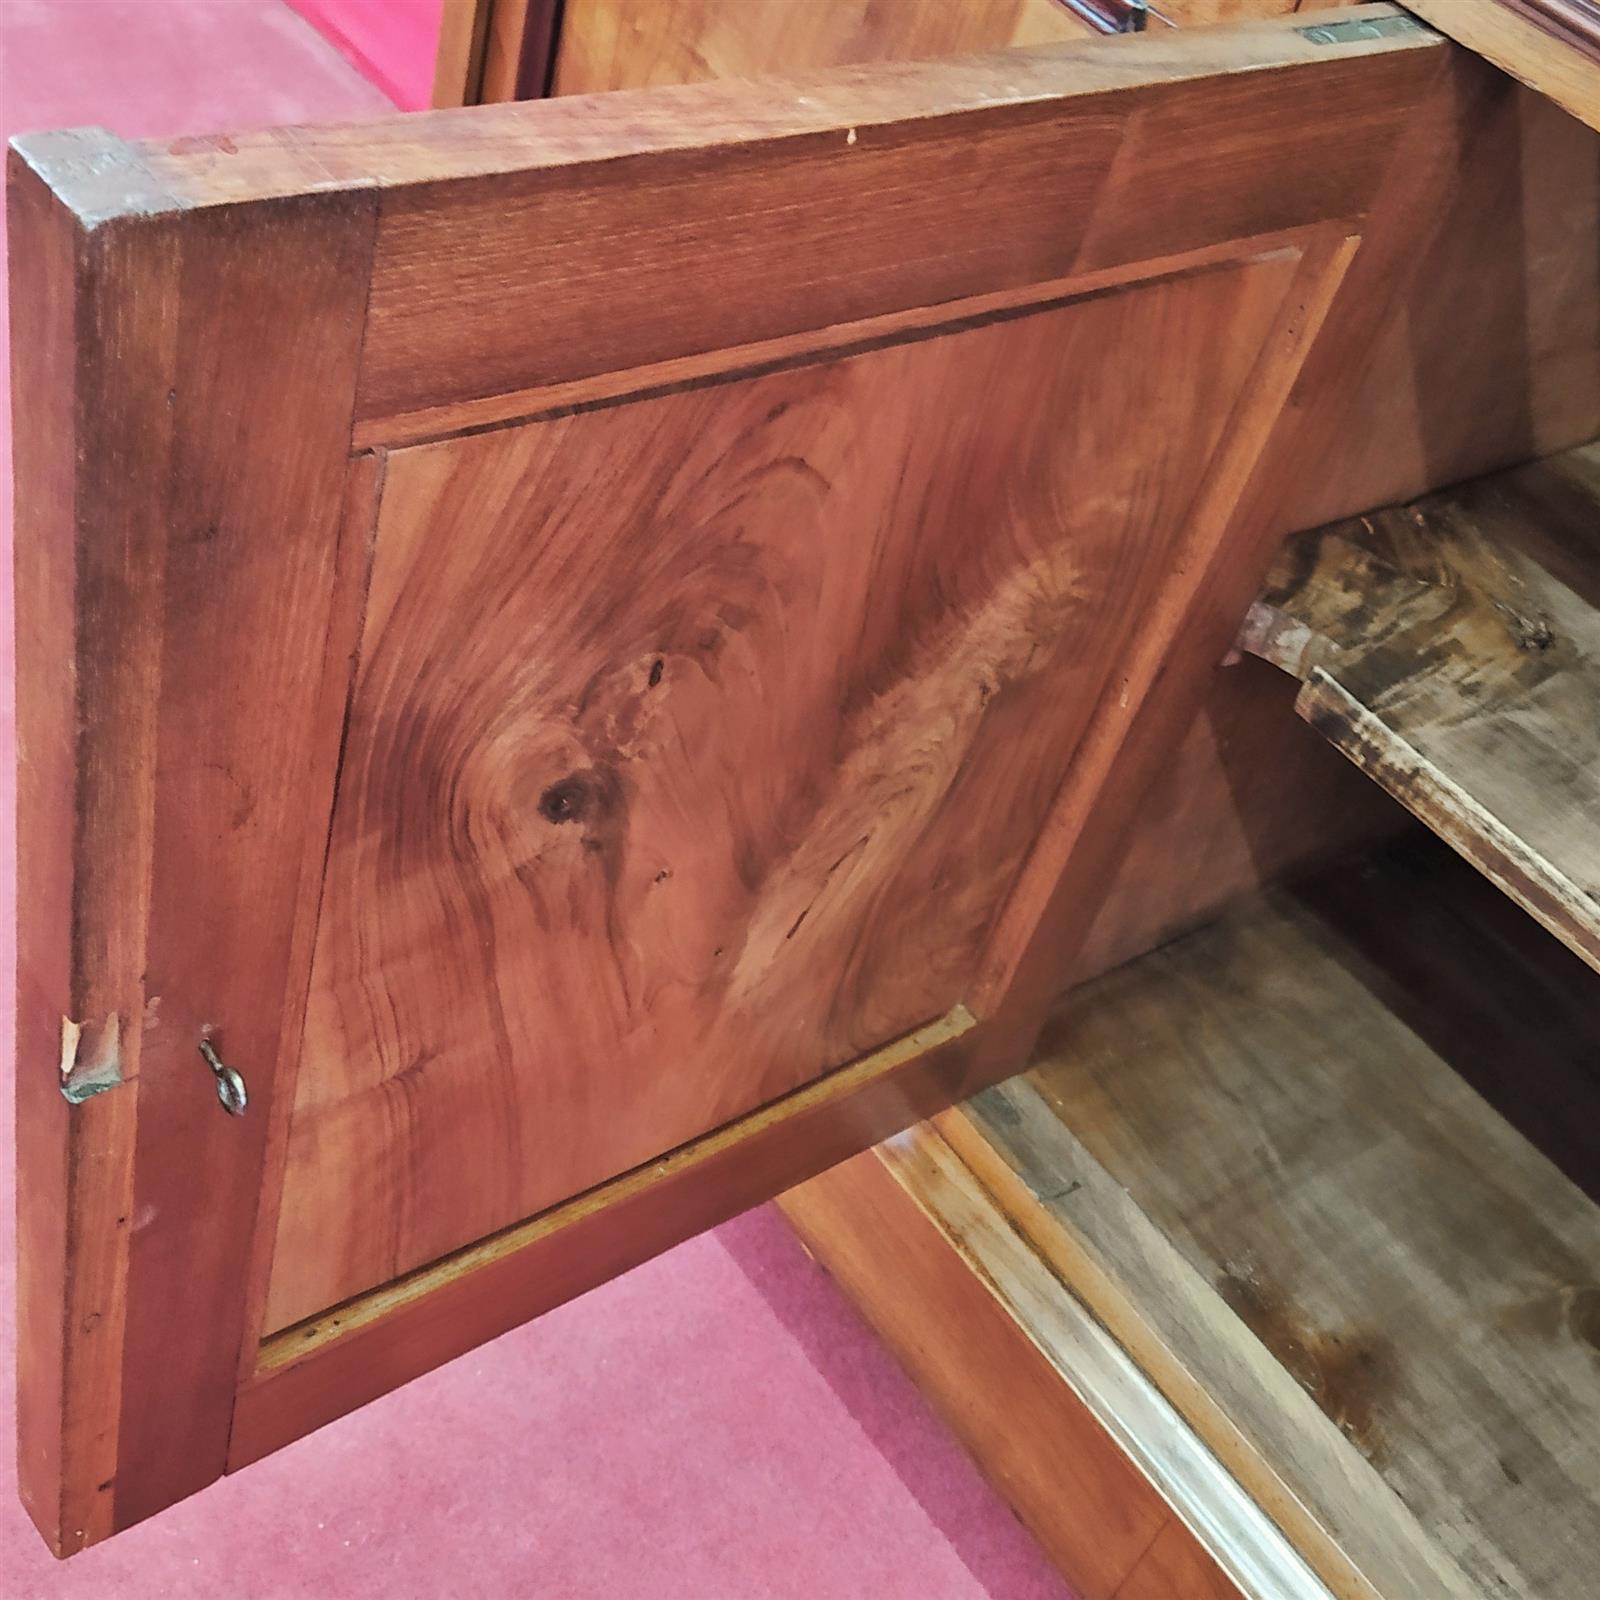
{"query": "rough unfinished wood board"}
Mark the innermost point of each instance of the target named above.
(1451, 649)
(1250, 1153)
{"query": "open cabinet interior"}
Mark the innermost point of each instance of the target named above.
(1325, 1168)
(605, 655)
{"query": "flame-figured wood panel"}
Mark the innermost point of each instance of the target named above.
(696, 740)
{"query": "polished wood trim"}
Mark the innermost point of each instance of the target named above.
(316, 1371)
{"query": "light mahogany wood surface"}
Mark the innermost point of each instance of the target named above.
(325, 1364)
(171, 711)
(618, 858)
(1552, 45)
(626, 44)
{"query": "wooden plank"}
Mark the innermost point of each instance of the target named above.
(1253, 1156)
(1551, 45)
(1030, 186)
(258, 234)
(458, 65)
(206, 437)
(615, 44)
(833, 199)
(1451, 649)
(991, 1337)
(72, 1176)
(755, 808)
(289, 1398)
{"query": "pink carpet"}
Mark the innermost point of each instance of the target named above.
(718, 1425)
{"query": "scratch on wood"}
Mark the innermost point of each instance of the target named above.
(91, 1057)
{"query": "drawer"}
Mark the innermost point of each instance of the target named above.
(581, 662)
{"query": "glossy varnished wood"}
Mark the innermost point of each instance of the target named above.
(169, 833)
(1451, 649)
(696, 741)
(306, 1375)
(198, 566)
(833, 198)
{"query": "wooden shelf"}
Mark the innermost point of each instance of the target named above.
(1277, 1161)
(1451, 649)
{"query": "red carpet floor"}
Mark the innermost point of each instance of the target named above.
(718, 1425)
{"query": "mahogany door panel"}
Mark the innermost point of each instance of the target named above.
(695, 742)
(599, 654)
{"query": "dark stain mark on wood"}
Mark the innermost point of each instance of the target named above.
(1349, 1373)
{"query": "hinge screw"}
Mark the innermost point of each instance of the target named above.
(230, 1086)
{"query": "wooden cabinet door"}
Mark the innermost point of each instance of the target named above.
(598, 655)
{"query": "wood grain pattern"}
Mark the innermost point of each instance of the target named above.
(72, 1160)
(418, 1332)
(1551, 45)
(629, 44)
(592, 211)
(212, 602)
(622, 44)
(978, 1321)
(755, 807)
(1451, 649)
(856, 218)
(1251, 1153)
(1043, 927)
(175, 784)
(309, 1374)
(458, 62)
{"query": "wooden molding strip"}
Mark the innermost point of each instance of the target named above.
(732, 363)
(318, 1370)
